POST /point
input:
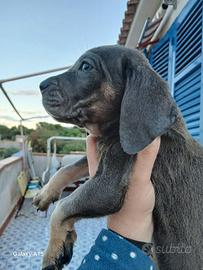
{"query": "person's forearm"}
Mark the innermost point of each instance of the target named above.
(135, 220)
(140, 231)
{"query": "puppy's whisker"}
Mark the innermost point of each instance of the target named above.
(59, 96)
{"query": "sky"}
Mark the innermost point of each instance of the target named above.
(44, 34)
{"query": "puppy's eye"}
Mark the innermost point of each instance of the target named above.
(85, 67)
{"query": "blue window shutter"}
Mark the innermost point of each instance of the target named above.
(182, 55)
(187, 95)
(189, 38)
(160, 57)
(188, 67)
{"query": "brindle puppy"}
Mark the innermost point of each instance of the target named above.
(115, 94)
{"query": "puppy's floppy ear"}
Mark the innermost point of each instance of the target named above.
(147, 108)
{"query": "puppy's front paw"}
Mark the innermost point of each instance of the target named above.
(45, 197)
(59, 252)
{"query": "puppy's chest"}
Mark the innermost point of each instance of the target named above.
(104, 144)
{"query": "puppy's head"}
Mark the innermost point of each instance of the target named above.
(112, 87)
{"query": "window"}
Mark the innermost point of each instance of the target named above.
(178, 59)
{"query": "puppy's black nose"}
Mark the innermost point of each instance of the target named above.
(45, 85)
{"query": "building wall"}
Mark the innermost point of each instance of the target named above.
(10, 169)
(178, 58)
(40, 161)
(174, 15)
(145, 9)
(9, 190)
(148, 9)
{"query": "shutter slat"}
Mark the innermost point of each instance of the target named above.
(193, 102)
(189, 43)
(188, 81)
(192, 125)
(180, 49)
(189, 57)
(192, 110)
(190, 29)
(162, 49)
(189, 97)
(194, 132)
(187, 91)
(160, 59)
(161, 62)
(192, 13)
(192, 117)
(189, 38)
(162, 55)
(162, 69)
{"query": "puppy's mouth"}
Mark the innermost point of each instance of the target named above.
(69, 119)
(82, 117)
(59, 107)
(92, 128)
(76, 118)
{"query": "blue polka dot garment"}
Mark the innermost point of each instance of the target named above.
(112, 252)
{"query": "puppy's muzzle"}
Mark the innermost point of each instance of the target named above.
(48, 85)
(51, 92)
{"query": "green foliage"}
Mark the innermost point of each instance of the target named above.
(43, 131)
(10, 133)
(79, 146)
(4, 153)
(4, 131)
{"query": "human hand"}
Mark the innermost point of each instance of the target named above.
(134, 220)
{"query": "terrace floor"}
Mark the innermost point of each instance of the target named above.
(28, 235)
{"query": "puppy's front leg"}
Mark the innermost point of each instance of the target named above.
(52, 190)
(100, 196)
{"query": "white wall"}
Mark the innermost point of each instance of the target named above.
(9, 190)
(40, 161)
(148, 8)
(174, 15)
(10, 168)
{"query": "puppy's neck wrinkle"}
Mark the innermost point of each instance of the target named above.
(110, 131)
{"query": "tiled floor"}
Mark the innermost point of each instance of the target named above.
(26, 237)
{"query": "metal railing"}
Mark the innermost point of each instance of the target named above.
(46, 173)
(2, 81)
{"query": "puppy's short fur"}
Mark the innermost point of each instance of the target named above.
(116, 95)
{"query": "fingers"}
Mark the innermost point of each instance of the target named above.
(151, 150)
(92, 154)
(145, 161)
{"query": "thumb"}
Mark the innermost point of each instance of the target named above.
(91, 144)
